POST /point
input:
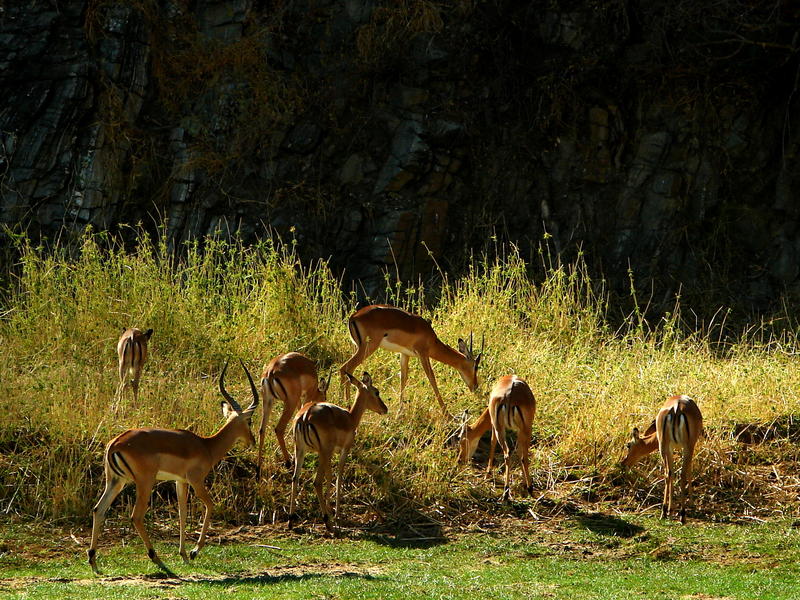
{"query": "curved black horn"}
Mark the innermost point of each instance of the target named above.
(234, 404)
(253, 389)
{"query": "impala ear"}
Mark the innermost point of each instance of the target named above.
(635, 434)
(148, 333)
(366, 379)
(227, 409)
(478, 361)
(462, 346)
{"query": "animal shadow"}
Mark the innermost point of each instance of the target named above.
(609, 525)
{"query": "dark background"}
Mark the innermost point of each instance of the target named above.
(660, 138)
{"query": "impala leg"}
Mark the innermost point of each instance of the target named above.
(501, 438)
(426, 366)
(523, 449)
(339, 477)
(686, 480)
(200, 490)
(122, 369)
(137, 376)
(182, 491)
(364, 351)
(280, 429)
(492, 446)
(403, 374)
(265, 414)
(666, 506)
(299, 454)
(113, 488)
(143, 490)
(320, 485)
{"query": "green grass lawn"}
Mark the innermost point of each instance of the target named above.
(587, 555)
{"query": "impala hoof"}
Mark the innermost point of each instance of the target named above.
(506, 495)
(328, 524)
(193, 554)
(530, 490)
(93, 561)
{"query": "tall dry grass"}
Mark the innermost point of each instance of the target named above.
(218, 299)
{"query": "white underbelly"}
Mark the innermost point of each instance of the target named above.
(395, 348)
(165, 476)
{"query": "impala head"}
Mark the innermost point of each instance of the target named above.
(146, 334)
(466, 445)
(453, 438)
(637, 448)
(231, 409)
(473, 361)
(324, 384)
(368, 393)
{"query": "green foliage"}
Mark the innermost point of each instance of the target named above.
(216, 299)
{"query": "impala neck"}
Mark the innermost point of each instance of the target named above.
(450, 356)
(222, 441)
(474, 432)
(357, 410)
(647, 444)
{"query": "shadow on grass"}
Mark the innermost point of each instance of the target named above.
(414, 529)
(402, 540)
(608, 525)
(294, 577)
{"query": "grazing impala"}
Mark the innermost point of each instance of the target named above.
(678, 424)
(511, 407)
(380, 326)
(144, 456)
(291, 378)
(132, 352)
(324, 428)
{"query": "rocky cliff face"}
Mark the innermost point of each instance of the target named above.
(659, 138)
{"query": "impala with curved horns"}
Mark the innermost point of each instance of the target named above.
(291, 378)
(678, 425)
(389, 327)
(512, 406)
(324, 428)
(132, 353)
(144, 456)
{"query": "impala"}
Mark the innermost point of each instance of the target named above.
(144, 456)
(132, 352)
(380, 326)
(291, 378)
(325, 428)
(678, 424)
(511, 407)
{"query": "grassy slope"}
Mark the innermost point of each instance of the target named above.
(58, 383)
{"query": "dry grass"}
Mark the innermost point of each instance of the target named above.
(220, 300)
